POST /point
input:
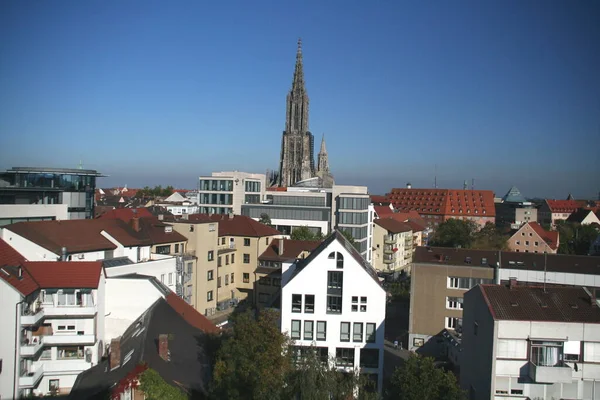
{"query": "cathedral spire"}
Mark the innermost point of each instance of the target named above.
(298, 82)
(322, 158)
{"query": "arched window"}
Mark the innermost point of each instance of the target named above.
(331, 255)
(339, 261)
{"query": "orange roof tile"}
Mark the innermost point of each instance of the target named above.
(393, 225)
(190, 314)
(383, 211)
(564, 206)
(126, 214)
(291, 249)
(550, 237)
(65, 274)
(237, 225)
(448, 202)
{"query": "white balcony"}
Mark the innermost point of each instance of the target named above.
(60, 339)
(30, 379)
(52, 311)
(560, 373)
(30, 349)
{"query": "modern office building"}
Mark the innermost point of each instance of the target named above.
(514, 210)
(27, 185)
(225, 192)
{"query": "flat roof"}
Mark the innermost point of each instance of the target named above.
(72, 171)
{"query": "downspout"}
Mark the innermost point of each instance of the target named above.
(16, 378)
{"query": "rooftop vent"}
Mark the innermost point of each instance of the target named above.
(514, 303)
(468, 260)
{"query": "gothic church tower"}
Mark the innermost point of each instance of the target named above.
(323, 161)
(297, 144)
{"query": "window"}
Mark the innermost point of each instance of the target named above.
(226, 279)
(276, 282)
(334, 304)
(211, 255)
(334, 279)
(344, 357)
(371, 332)
(572, 350)
(162, 278)
(345, 332)
(209, 295)
(454, 303)
(308, 330)
(163, 249)
(295, 329)
(53, 385)
(546, 353)
(454, 323)
(296, 303)
(369, 358)
(321, 330)
(219, 263)
(527, 243)
(209, 275)
(354, 303)
(170, 278)
(218, 282)
(358, 332)
(536, 244)
(246, 242)
(363, 304)
(452, 283)
(246, 277)
(309, 303)
(246, 258)
(177, 248)
(227, 260)
(191, 228)
(190, 267)
(232, 258)
(70, 352)
(232, 277)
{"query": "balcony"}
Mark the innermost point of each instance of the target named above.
(226, 248)
(36, 312)
(389, 259)
(30, 347)
(389, 239)
(66, 339)
(388, 249)
(559, 373)
(29, 378)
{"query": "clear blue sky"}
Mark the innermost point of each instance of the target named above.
(160, 92)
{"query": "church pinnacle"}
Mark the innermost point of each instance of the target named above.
(298, 82)
(323, 162)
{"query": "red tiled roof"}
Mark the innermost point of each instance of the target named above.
(449, 202)
(550, 237)
(238, 225)
(65, 274)
(564, 206)
(378, 199)
(291, 249)
(383, 211)
(190, 314)
(126, 214)
(392, 225)
(526, 303)
(10, 261)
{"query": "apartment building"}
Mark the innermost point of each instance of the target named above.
(514, 209)
(53, 323)
(50, 186)
(227, 248)
(440, 277)
(532, 238)
(553, 210)
(392, 246)
(333, 300)
(268, 274)
(526, 342)
(142, 245)
(225, 192)
(439, 205)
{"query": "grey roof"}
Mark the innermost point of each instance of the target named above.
(116, 262)
(514, 196)
(188, 368)
(336, 235)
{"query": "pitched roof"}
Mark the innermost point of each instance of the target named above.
(550, 237)
(378, 199)
(189, 313)
(392, 225)
(564, 206)
(126, 214)
(580, 215)
(451, 202)
(554, 304)
(291, 249)
(383, 211)
(416, 222)
(189, 366)
(10, 263)
(65, 274)
(236, 225)
(514, 196)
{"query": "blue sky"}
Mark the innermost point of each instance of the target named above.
(160, 92)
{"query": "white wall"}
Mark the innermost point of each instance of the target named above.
(29, 250)
(323, 225)
(58, 211)
(126, 300)
(155, 268)
(356, 282)
(9, 298)
(562, 278)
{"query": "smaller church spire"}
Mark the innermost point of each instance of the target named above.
(298, 82)
(323, 159)
(323, 148)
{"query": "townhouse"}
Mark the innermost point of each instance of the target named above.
(531, 342)
(392, 245)
(52, 323)
(532, 238)
(333, 301)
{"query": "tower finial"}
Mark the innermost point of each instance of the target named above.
(299, 46)
(298, 82)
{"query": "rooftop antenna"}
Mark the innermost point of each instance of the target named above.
(80, 163)
(435, 177)
(465, 186)
(472, 183)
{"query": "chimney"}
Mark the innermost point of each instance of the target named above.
(593, 296)
(115, 353)
(135, 223)
(63, 256)
(230, 215)
(161, 217)
(281, 247)
(163, 347)
(512, 283)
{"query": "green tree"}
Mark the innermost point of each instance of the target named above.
(265, 219)
(166, 192)
(419, 379)
(575, 238)
(350, 238)
(253, 362)
(454, 233)
(156, 388)
(304, 233)
(489, 238)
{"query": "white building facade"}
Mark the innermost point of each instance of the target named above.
(333, 301)
(225, 192)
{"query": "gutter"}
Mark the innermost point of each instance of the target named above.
(15, 380)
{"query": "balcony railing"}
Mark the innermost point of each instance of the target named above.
(559, 373)
(389, 239)
(389, 259)
(60, 339)
(387, 249)
(52, 310)
(29, 378)
(30, 347)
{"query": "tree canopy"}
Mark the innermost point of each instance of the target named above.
(463, 233)
(575, 238)
(156, 388)
(304, 233)
(156, 191)
(419, 379)
(265, 219)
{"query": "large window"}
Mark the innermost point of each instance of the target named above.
(252, 186)
(321, 330)
(295, 329)
(353, 203)
(163, 249)
(466, 283)
(246, 277)
(246, 258)
(546, 353)
(369, 358)
(358, 332)
(344, 331)
(353, 218)
(334, 304)
(309, 303)
(334, 279)
(454, 303)
(296, 303)
(454, 323)
(344, 357)
(70, 352)
(371, 332)
(308, 330)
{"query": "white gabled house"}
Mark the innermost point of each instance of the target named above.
(333, 300)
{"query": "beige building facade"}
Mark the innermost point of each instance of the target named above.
(392, 246)
(532, 238)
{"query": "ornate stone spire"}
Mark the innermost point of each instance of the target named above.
(323, 161)
(298, 81)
